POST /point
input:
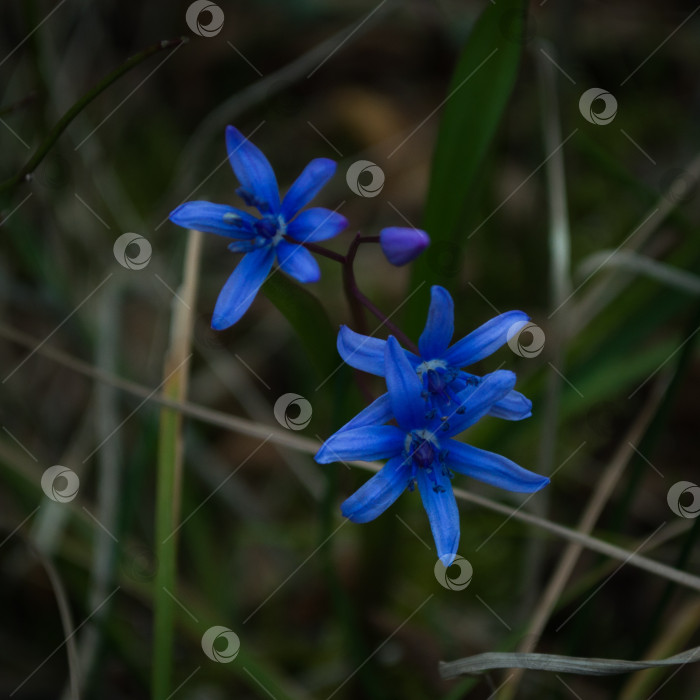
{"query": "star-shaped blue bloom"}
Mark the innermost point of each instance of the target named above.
(421, 452)
(277, 233)
(445, 384)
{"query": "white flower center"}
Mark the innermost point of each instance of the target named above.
(424, 367)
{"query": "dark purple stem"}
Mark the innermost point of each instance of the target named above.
(356, 299)
(320, 250)
(351, 286)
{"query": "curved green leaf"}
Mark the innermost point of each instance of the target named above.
(309, 320)
(479, 91)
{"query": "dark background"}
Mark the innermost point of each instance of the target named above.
(337, 603)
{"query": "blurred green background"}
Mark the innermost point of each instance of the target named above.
(321, 608)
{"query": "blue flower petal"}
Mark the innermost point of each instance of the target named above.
(478, 403)
(242, 246)
(485, 340)
(377, 413)
(377, 494)
(314, 176)
(316, 224)
(404, 387)
(514, 406)
(492, 468)
(241, 287)
(214, 218)
(254, 172)
(440, 505)
(401, 245)
(298, 262)
(367, 443)
(439, 327)
(361, 351)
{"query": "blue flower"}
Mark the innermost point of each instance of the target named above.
(444, 383)
(279, 232)
(421, 452)
(401, 245)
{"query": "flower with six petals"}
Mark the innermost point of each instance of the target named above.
(278, 233)
(421, 451)
(445, 384)
(431, 398)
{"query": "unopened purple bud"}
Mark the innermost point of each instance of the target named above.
(401, 245)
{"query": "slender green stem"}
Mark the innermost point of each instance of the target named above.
(344, 605)
(47, 144)
(167, 505)
(169, 483)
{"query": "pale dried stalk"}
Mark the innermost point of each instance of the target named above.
(595, 506)
(297, 442)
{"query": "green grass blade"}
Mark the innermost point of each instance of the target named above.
(169, 477)
(309, 320)
(475, 102)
